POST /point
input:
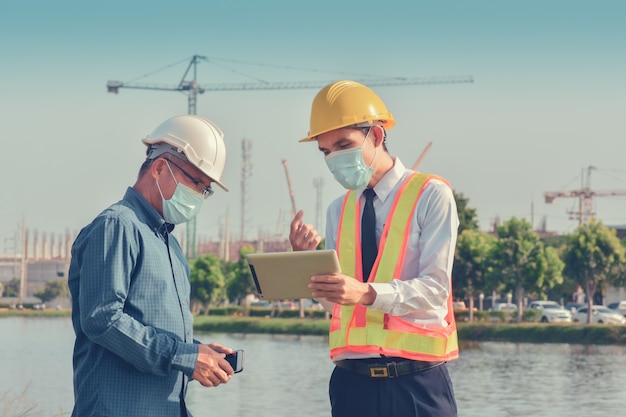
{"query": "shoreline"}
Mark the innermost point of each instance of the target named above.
(572, 333)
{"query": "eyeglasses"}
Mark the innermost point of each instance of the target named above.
(206, 191)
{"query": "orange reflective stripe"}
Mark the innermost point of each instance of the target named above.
(392, 256)
(361, 329)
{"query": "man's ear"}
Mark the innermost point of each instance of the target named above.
(157, 168)
(378, 133)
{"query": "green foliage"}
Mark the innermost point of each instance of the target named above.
(296, 326)
(239, 282)
(12, 288)
(519, 255)
(554, 268)
(531, 314)
(207, 280)
(594, 255)
(543, 333)
(481, 331)
(471, 265)
(54, 288)
(468, 219)
(521, 262)
(471, 262)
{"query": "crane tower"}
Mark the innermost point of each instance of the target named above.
(585, 197)
(318, 183)
(246, 173)
(190, 86)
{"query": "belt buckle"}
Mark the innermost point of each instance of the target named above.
(379, 372)
(388, 371)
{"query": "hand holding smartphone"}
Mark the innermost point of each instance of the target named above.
(236, 360)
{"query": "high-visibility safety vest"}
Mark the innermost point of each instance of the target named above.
(363, 330)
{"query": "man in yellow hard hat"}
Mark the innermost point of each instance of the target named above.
(134, 352)
(394, 231)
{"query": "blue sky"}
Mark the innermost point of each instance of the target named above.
(548, 100)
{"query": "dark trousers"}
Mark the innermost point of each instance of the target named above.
(424, 394)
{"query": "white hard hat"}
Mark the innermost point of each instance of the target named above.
(196, 139)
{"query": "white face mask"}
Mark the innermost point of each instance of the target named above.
(349, 167)
(184, 204)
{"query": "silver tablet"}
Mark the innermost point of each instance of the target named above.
(285, 275)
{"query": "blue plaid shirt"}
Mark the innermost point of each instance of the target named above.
(134, 349)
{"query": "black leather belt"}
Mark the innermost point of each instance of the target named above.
(383, 368)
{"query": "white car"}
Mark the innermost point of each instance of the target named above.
(551, 311)
(600, 314)
(505, 307)
(619, 307)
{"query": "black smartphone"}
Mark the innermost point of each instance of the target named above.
(236, 360)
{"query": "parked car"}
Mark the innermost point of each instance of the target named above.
(285, 305)
(260, 303)
(504, 307)
(599, 314)
(459, 305)
(571, 306)
(619, 306)
(551, 311)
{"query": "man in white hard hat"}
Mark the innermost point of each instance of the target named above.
(393, 327)
(134, 351)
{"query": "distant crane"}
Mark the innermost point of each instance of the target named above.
(421, 157)
(246, 174)
(318, 183)
(585, 197)
(294, 208)
(193, 89)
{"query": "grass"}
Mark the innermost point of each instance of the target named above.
(530, 332)
(238, 324)
(20, 405)
(5, 312)
(574, 333)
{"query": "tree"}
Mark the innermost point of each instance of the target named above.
(12, 288)
(207, 281)
(54, 288)
(554, 269)
(467, 216)
(471, 264)
(594, 255)
(239, 282)
(521, 260)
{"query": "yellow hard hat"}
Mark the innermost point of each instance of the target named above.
(346, 103)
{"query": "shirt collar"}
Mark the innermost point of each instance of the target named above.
(145, 212)
(389, 180)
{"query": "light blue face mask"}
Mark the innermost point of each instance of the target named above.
(349, 167)
(184, 204)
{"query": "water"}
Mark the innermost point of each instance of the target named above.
(286, 376)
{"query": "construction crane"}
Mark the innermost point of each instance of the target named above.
(421, 157)
(189, 85)
(193, 89)
(585, 197)
(294, 208)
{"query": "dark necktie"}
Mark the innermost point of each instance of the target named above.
(369, 248)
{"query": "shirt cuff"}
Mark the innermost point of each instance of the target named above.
(185, 357)
(384, 296)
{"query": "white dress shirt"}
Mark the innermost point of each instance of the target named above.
(420, 295)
